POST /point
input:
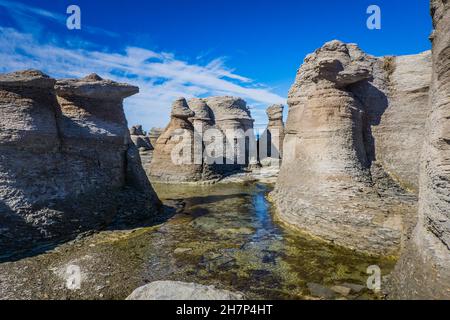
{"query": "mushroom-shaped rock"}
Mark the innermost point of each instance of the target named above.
(94, 87)
(201, 110)
(180, 109)
(275, 112)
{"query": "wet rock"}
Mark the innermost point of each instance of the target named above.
(342, 290)
(321, 291)
(175, 290)
(182, 250)
(355, 288)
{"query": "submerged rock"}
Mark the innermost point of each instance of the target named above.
(175, 290)
(67, 161)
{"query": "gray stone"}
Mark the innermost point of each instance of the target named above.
(67, 162)
(321, 291)
(175, 290)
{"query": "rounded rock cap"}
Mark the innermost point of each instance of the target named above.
(275, 112)
(180, 109)
(95, 87)
(201, 109)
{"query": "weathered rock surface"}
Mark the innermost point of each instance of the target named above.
(341, 190)
(188, 133)
(271, 141)
(424, 269)
(154, 134)
(144, 145)
(66, 158)
(173, 157)
(175, 290)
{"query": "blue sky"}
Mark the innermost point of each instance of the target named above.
(171, 48)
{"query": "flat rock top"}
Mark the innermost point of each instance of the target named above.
(175, 290)
(27, 78)
(228, 108)
(93, 86)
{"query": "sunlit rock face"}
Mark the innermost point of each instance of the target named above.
(270, 144)
(183, 152)
(66, 160)
(424, 269)
(154, 134)
(173, 157)
(341, 176)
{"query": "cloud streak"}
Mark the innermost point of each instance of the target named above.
(160, 75)
(23, 11)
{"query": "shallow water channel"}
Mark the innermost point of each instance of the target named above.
(223, 235)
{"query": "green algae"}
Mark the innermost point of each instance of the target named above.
(224, 235)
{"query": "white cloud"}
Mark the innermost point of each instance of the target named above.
(24, 15)
(160, 75)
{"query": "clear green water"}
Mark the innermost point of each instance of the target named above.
(224, 236)
(227, 236)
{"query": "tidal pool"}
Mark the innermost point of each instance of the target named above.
(223, 235)
(227, 236)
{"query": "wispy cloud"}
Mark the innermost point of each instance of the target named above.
(160, 75)
(22, 12)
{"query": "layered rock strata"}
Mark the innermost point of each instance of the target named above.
(67, 163)
(343, 189)
(173, 157)
(424, 269)
(270, 144)
(206, 128)
(144, 145)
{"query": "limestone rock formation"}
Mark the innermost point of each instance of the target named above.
(154, 134)
(144, 145)
(176, 290)
(343, 189)
(271, 141)
(229, 119)
(173, 157)
(66, 158)
(424, 270)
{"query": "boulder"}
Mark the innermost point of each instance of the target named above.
(175, 290)
(66, 159)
